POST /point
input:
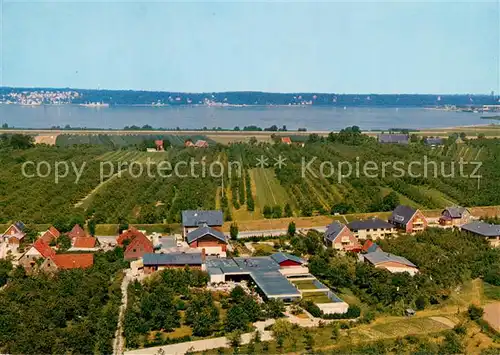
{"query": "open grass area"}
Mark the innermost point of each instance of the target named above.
(263, 248)
(317, 297)
(409, 326)
(304, 284)
(269, 191)
(491, 292)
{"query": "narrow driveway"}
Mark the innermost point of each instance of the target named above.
(119, 341)
(205, 344)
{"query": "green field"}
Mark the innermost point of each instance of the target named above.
(269, 190)
(304, 284)
(316, 297)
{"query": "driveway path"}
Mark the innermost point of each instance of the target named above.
(205, 344)
(119, 341)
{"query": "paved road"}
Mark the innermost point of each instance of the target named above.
(206, 344)
(119, 341)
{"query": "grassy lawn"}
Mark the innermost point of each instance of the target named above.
(264, 248)
(491, 292)
(409, 326)
(269, 191)
(317, 297)
(304, 284)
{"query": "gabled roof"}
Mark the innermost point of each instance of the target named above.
(333, 230)
(20, 225)
(201, 143)
(53, 230)
(456, 211)
(18, 229)
(196, 218)
(84, 242)
(402, 214)
(370, 247)
(44, 249)
(129, 234)
(140, 240)
(73, 261)
(203, 231)
(280, 257)
(172, 259)
(380, 257)
(482, 228)
(372, 223)
(77, 231)
(286, 140)
(393, 138)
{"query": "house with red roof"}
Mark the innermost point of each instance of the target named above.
(77, 231)
(139, 246)
(67, 261)
(39, 250)
(201, 144)
(339, 237)
(128, 235)
(286, 140)
(51, 234)
(84, 243)
(14, 235)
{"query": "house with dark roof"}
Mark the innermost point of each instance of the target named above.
(455, 216)
(373, 228)
(14, 235)
(206, 238)
(408, 219)
(154, 262)
(138, 247)
(339, 237)
(192, 219)
(390, 262)
(39, 250)
(490, 232)
(433, 141)
(393, 138)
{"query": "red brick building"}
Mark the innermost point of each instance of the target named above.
(139, 246)
(408, 219)
(339, 237)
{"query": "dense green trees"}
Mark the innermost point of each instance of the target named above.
(445, 259)
(74, 311)
(154, 305)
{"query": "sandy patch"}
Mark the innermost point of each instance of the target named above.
(49, 139)
(492, 315)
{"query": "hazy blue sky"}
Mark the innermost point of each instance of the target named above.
(342, 47)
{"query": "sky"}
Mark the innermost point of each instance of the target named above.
(334, 47)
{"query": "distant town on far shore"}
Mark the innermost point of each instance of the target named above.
(104, 98)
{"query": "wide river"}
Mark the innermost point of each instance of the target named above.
(313, 118)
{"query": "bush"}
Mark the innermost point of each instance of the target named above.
(475, 312)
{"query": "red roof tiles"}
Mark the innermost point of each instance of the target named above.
(73, 261)
(128, 235)
(44, 248)
(77, 231)
(54, 232)
(84, 242)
